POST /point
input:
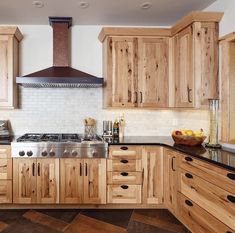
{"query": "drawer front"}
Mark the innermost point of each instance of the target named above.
(197, 219)
(5, 191)
(124, 165)
(125, 152)
(124, 177)
(5, 169)
(216, 175)
(210, 197)
(125, 194)
(5, 152)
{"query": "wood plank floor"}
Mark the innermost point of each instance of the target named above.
(89, 221)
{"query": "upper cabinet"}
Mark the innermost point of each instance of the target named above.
(162, 68)
(9, 43)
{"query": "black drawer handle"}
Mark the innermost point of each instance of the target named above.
(188, 175)
(231, 176)
(124, 161)
(189, 203)
(124, 173)
(124, 186)
(231, 198)
(124, 148)
(189, 159)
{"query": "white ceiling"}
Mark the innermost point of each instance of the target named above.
(100, 12)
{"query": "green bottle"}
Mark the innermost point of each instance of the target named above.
(116, 129)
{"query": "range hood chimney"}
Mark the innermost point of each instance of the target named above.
(60, 74)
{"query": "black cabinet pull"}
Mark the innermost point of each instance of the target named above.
(124, 161)
(38, 169)
(141, 97)
(33, 169)
(86, 170)
(189, 159)
(124, 148)
(124, 186)
(189, 203)
(231, 198)
(188, 175)
(80, 169)
(231, 176)
(124, 173)
(172, 164)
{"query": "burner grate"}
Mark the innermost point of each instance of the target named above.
(30, 138)
(70, 138)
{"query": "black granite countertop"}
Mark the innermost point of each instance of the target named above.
(222, 158)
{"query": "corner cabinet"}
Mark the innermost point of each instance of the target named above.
(196, 65)
(135, 71)
(9, 50)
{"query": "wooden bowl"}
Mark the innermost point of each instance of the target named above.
(188, 140)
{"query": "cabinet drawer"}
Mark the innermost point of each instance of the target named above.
(5, 152)
(213, 199)
(124, 165)
(5, 191)
(197, 219)
(125, 152)
(5, 169)
(124, 194)
(125, 177)
(216, 175)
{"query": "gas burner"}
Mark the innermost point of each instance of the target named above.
(70, 138)
(30, 138)
(50, 138)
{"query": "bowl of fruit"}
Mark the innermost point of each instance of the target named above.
(188, 137)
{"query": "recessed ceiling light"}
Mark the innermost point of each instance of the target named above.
(83, 5)
(38, 4)
(146, 5)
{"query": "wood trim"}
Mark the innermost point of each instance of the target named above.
(7, 30)
(227, 38)
(132, 31)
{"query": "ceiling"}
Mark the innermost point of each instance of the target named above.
(100, 12)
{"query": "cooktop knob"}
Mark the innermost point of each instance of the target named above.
(66, 153)
(44, 153)
(21, 153)
(29, 153)
(94, 152)
(52, 153)
(74, 153)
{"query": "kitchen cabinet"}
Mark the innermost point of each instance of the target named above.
(35, 181)
(9, 53)
(135, 71)
(83, 181)
(171, 164)
(5, 174)
(152, 163)
(196, 65)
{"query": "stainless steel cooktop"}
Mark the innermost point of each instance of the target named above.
(59, 146)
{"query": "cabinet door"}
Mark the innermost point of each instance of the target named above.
(5, 191)
(171, 160)
(24, 181)
(8, 68)
(153, 72)
(94, 181)
(71, 180)
(122, 71)
(48, 180)
(153, 175)
(184, 86)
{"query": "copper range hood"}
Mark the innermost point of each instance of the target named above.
(60, 74)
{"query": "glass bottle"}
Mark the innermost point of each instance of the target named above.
(213, 136)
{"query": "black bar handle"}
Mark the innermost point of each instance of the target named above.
(231, 198)
(188, 175)
(136, 97)
(124, 186)
(38, 169)
(231, 176)
(86, 170)
(124, 161)
(124, 148)
(33, 170)
(141, 97)
(80, 169)
(189, 159)
(124, 173)
(189, 203)
(172, 164)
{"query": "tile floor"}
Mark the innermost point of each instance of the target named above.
(89, 221)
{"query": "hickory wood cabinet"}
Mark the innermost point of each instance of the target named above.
(135, 71)
(35, 181)
(9, 43)
(83, 181)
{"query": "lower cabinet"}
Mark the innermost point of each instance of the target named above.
(83, 181)
(152, 163)
(5, 191)
(36, 181)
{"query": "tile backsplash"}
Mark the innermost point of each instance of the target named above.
(63, 110)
